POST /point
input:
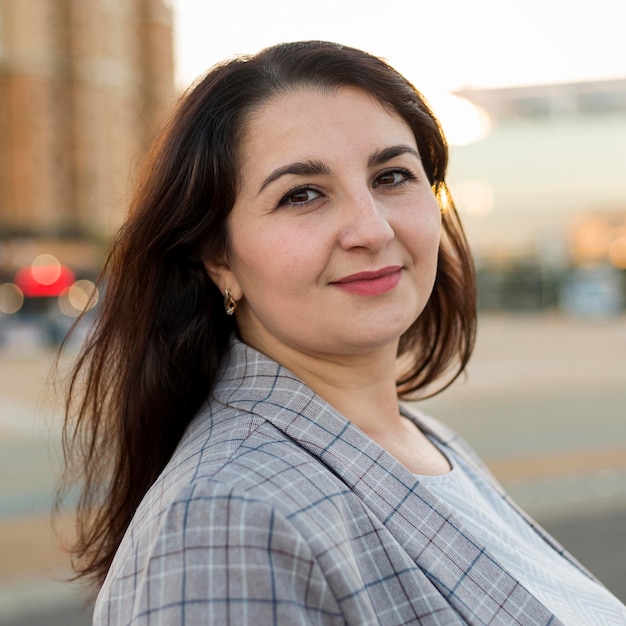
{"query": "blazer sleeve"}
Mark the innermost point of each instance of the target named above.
(220, 557)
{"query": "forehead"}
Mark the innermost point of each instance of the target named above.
(312, 123)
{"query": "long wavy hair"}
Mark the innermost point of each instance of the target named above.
(153, 354)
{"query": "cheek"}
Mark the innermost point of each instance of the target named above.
(421, 231)
(281, 258)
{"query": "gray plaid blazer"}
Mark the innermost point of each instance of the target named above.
(275, 509)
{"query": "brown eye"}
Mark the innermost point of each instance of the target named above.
(391, 178)
(300, 197)
(297, 197)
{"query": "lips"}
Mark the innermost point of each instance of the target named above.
(371, 283)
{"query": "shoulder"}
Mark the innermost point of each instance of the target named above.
(235, 467)
(240, 504)
(212, 516)
(217, 555)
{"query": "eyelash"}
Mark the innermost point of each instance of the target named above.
(407, 176)
(284, 201)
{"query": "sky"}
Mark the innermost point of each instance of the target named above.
(440, 45)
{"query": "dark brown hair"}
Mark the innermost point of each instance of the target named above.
(153, 354)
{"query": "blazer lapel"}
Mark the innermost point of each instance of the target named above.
(450, 439)
(457, 564)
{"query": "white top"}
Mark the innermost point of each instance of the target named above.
(573, 597)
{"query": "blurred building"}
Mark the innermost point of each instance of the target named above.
(549, 180)
(543, 196)
(84, 84)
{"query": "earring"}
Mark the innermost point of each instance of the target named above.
(230, 304)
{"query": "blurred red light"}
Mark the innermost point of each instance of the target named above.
(33, 288)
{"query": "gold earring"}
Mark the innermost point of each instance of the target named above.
(230, 304)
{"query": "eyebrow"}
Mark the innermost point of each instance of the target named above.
(302, 168)
(316, 168)
(382, 156)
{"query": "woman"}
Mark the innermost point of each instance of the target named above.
(292, 266)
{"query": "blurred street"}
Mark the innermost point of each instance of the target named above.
(543, 403)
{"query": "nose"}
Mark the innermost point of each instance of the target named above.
(365, 224)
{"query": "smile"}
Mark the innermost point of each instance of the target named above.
(371, 283)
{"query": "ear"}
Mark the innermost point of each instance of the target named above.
(223, 276)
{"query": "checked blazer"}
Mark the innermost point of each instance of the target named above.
(275, 509)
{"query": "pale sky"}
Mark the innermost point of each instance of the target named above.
(439, 45)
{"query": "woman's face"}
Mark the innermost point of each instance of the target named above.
(334, 235)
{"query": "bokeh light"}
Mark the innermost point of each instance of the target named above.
(617, 252)
(46, 269)
(462, 121)
(475, 197)
(82, 296)
(11, 298)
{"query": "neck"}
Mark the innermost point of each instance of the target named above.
(361, 387)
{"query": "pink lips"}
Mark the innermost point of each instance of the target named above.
(371, 283)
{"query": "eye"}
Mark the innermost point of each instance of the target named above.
(393, 178)
(300, 196)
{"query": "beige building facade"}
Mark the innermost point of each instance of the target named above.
(84, 85)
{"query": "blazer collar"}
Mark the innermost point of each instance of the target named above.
(425, 526)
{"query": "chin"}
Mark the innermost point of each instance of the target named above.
(379, 337)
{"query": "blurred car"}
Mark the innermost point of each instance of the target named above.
(593, 292)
